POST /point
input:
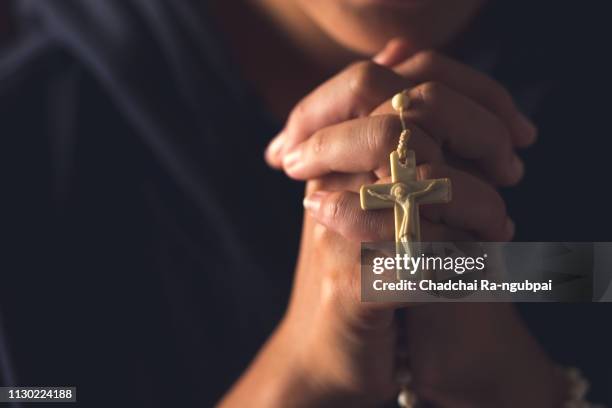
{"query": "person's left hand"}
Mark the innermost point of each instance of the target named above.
(455, 110)
(456, 350)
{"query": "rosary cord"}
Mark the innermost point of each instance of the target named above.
(406, 397)
(403, 375)
(402, 146)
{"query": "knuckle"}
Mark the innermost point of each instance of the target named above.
(361, 78)
(425, 60)
(325, 237)
(362, 74)
(381, 134)
(388, 128)
(431, 171)
(373, 229)
(334, 207)
(318, 142)
(296, 116)
(366, 227)
(430, 92)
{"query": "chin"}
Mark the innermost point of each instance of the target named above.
(367, 41)
(365, 26)
(367, 29)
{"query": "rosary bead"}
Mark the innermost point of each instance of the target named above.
(406, 399)
(400, 101)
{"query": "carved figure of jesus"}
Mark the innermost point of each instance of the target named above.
(402, 195)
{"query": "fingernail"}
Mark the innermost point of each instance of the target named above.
(381, 57)
(292, 160)
(275, 147)
(510, 227)
(312, 202)
(395, 51)
(527, 128)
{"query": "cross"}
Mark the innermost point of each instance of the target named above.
(405, 193)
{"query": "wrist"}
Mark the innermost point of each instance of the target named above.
(493, 361)
(280, 376)
(533, 384)
(322, 377)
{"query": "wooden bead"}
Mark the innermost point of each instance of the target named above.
(400, 101)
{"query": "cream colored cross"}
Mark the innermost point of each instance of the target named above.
(405, 193)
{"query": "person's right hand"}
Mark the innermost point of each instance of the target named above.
(331, 348)
(457, 115)
(456, 351)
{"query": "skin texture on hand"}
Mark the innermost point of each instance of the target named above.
(487, 136)
(465, 127)
(334, 350)
(350, 129)
(470, 116)
(331, 349)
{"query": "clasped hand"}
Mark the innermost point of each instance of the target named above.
(331, 349)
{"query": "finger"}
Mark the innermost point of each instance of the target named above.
(436, 232)
(464, 128)
(475, 206)
(428, 66)
(353, 93)
(394, 52)
(341, 182)
(358, 145)
(341, 213)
